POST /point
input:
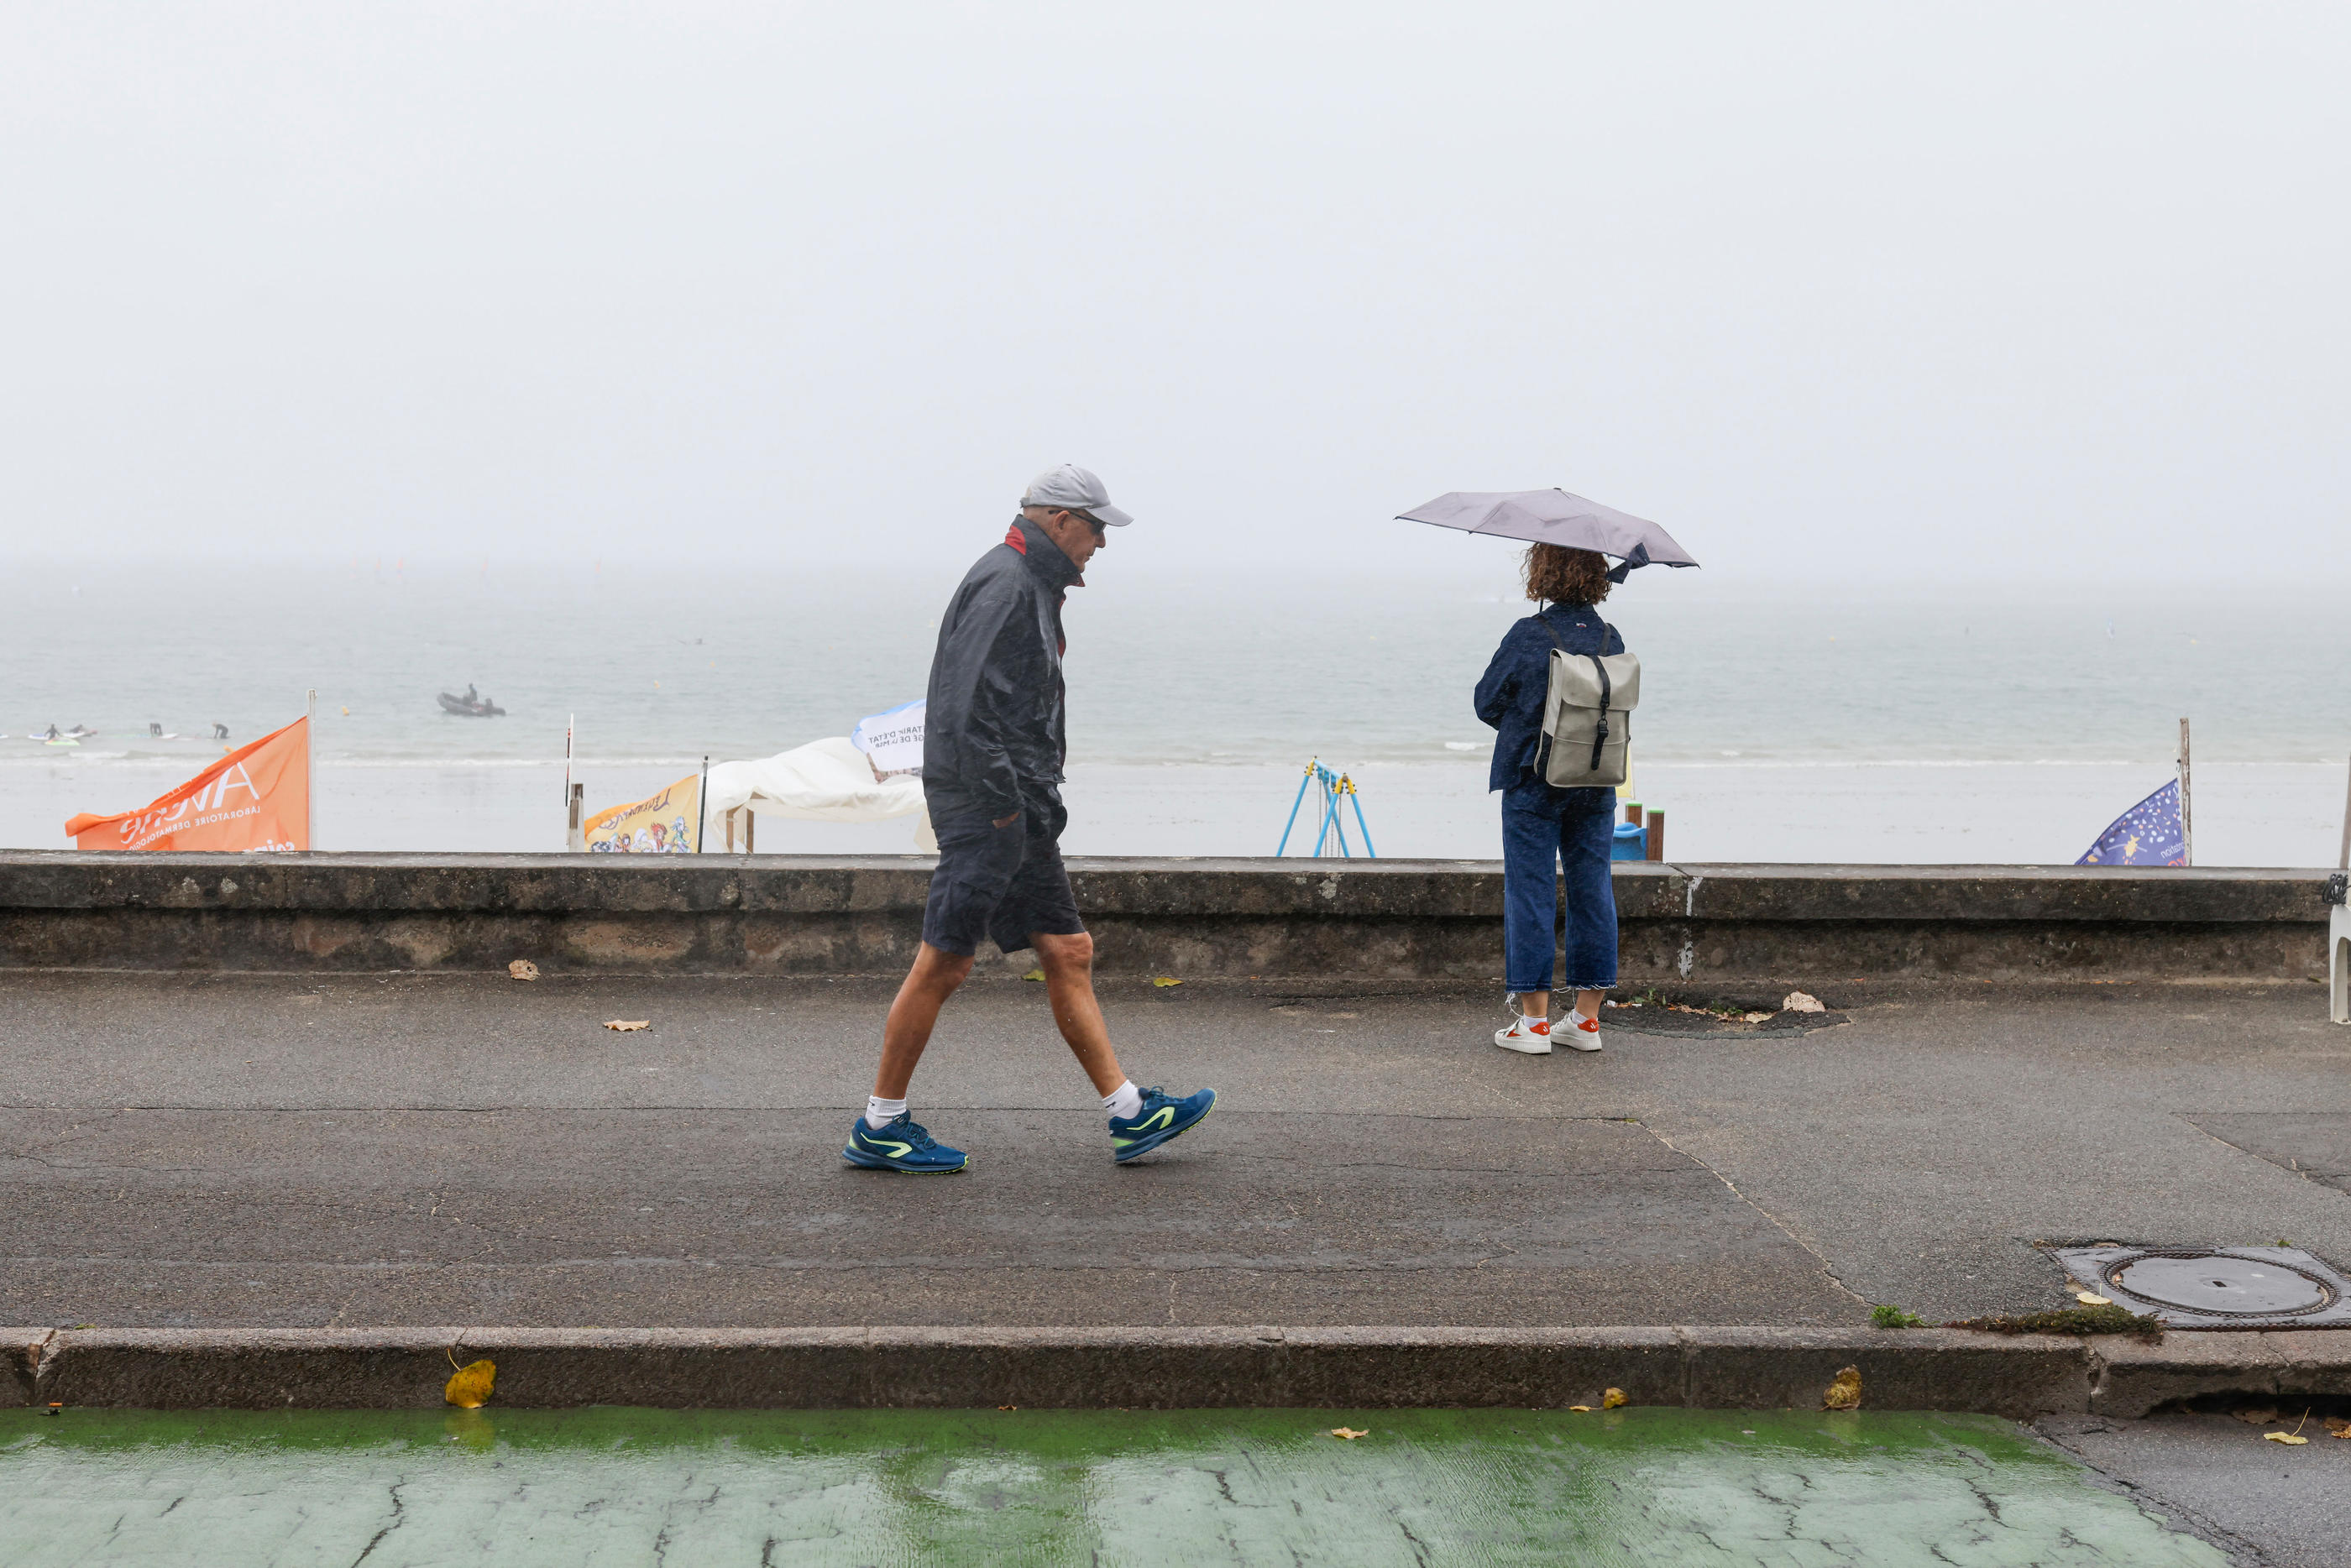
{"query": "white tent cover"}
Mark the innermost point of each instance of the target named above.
(825, 781)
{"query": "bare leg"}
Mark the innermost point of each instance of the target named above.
(1069, 966)
(1537, 1004)
(915, 1014)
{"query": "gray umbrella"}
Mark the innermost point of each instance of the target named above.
(1555, 517)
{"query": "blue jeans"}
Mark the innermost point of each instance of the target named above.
(1543, 829)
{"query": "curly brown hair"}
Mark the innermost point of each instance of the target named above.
(1564, 576)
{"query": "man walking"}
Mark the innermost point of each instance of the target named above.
(993, 745)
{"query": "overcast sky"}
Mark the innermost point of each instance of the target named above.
(1911, 290)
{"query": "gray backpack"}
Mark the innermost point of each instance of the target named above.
(1588, 715)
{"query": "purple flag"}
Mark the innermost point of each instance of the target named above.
(2148, 833)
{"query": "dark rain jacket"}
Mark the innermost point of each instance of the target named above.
(1511, 696)
(993, 734)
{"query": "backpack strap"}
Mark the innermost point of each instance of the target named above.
(1600, 663)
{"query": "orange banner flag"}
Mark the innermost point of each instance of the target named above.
(256, 797)
(669, 823)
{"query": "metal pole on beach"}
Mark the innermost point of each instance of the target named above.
(570, 811)
(309, 773)
(2343, 857)
(2338, 926)
(2187, 803)
(701, 806)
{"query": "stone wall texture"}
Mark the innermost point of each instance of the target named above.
(1384, 919)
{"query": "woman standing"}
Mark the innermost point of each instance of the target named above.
(1545, 828)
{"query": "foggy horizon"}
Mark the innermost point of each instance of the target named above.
(1837, 295)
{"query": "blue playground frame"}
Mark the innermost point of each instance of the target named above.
(1334, 787)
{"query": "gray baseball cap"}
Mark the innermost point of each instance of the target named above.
(1073, 489)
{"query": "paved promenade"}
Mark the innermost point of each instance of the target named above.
(301, 1152)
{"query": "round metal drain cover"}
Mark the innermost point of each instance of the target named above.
(2227, 1286)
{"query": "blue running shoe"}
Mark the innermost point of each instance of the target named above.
(901, 1145)
(1160, 1119)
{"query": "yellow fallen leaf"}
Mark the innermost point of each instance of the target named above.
(470, 1388)
(1034, 975)
(523, 969)
(2091, 1298)
(1579, 1407)
(1759, 1018)
(1349, 1433)
(1611, 1399)
(2294, 1438)
(1845, 1393)
(1799, 1001)
(628, 1025)
(1163, 981)
(2336, 1426)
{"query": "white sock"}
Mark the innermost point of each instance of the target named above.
(1527, 1022)
(880, 1113)
(1125, 1102)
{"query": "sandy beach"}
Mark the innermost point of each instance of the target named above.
(2246, 813)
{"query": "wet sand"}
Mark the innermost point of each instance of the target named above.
(2247, 814)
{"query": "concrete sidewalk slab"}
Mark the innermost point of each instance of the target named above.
(671, 1218)
(241, 1151)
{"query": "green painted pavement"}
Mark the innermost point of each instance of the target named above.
(631, 1487)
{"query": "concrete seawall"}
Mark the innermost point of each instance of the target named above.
(1388, 919)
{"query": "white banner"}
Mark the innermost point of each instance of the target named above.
(894, 739)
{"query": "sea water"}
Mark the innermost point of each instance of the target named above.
(1820, 725)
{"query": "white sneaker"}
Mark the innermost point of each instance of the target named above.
(1529, 1036)
(1578, 1033)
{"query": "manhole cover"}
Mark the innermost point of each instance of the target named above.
(2213, 1287)
(2236, 1285)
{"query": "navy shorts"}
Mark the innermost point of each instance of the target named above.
(1003, 883)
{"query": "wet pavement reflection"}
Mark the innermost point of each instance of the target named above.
(627, 1486)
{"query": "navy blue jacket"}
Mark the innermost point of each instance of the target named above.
(1511, 694)
(992, 735)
